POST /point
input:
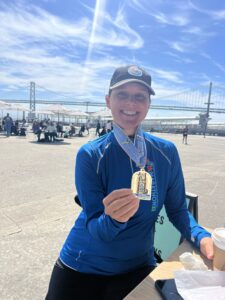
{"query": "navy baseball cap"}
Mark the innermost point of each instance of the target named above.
(131, 73)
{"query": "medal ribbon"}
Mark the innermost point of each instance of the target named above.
(135, 150)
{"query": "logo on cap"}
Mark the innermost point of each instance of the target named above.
(134, 71)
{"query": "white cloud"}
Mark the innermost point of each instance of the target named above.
(178, 46)
(186, 44)
(213, 14)
(38, 46)
(50, 50)
(20, 26)
(219, 66)
(176, 15)
(219, 15)
(215, 63)
(115, 31)
(170, 76)
(37, 25)
(172, 19)
(201, 32)
(179, 58)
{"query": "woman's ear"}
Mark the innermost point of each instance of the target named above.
(107, 100)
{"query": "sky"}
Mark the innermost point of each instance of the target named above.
(70, 48)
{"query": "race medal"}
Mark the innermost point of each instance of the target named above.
(141, 185)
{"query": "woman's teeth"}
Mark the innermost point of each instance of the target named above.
(129, 113)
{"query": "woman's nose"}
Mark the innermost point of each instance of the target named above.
(131, 99)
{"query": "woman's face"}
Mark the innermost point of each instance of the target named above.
(129, 104)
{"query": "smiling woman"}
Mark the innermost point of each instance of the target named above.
(129, 97)
(123, 179)
(129, 105)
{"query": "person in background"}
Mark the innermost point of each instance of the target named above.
(52, 132)
(59, 128)
(35, 126)
(15, 129)
(17, 125)
(37, 129)
(110, 250)
(24, 122)
(8, 123)
(81, 131)
(103, 131)
(44, 124)
(185, 135)
(98, 126)
(72, 130)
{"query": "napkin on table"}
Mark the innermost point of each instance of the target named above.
(200, 285)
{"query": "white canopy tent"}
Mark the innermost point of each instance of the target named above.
(77, 114)
(18, 107)
(105, 113)
(59, 110)
(4, 105)
(45, 113)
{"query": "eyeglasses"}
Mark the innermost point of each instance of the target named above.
(141, 98)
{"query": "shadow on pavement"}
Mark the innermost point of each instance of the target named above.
(50, 143)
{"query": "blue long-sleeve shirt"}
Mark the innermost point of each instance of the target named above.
(100, 245)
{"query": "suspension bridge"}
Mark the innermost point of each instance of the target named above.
(208, 100)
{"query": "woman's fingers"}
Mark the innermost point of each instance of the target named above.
(125, 215)
(206, 247)
(121, 205)
(116, 195)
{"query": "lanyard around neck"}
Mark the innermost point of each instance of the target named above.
(136, 149)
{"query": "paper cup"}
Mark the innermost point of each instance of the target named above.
(218, 237)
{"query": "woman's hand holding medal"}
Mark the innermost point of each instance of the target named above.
(121, 205)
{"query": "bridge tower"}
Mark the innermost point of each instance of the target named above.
(32, 101)
(208, 108)
(32, 96)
